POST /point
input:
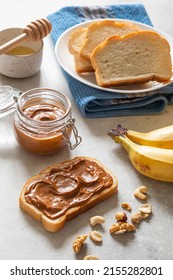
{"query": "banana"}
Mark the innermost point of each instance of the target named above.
(153, 162)
(162, 137)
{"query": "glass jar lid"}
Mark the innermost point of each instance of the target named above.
(8, 99)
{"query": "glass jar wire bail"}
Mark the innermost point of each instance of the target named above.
(70, 124)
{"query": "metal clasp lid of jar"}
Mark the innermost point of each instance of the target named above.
(8, 99)
(78, 139)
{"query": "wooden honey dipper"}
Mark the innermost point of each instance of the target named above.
(34, 31)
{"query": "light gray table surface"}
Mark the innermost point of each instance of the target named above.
(23, 238)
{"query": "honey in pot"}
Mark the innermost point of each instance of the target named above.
(21, 50)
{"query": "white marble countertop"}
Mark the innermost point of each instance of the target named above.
(23, 238)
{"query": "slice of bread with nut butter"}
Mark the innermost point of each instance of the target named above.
(64, 190)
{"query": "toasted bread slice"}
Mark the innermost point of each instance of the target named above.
(74, 44)
(99, 31)
(64, 190)
(134, 58)
(82, 65)
(76, 39)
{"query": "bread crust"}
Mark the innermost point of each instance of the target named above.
(53, 225)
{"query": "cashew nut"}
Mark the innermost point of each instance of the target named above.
(95, 236)
(138, 216)
(91, 257)
(96, 220)
(145, 208)
(126, 206)
(140, 192)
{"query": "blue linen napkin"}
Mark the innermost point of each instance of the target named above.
(95, 103)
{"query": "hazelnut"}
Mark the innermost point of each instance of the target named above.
(121, 216)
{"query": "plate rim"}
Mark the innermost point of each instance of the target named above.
(78, 77)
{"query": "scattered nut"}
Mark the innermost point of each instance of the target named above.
(138, 216)
(121, 216)
(91, 257)
(121, 231)
(144, 215)
(114, 228)
(121, 227)
(96, 220)
(95, 236)
(130, 227)
(140, 192)
(126, 206)
(78, 242)
(145, 208)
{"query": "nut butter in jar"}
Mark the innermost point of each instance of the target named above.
(43, 122)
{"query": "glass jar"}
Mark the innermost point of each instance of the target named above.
(43, 122)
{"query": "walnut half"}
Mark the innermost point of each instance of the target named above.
(78, 242)
(121, 227)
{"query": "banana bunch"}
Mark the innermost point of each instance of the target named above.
(150, 153)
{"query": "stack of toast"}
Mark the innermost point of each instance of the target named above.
(120, 53)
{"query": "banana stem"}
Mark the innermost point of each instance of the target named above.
(119, 136)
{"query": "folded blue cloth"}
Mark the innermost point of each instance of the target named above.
(95, 103)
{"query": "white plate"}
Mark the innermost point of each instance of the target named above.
(65, 59)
